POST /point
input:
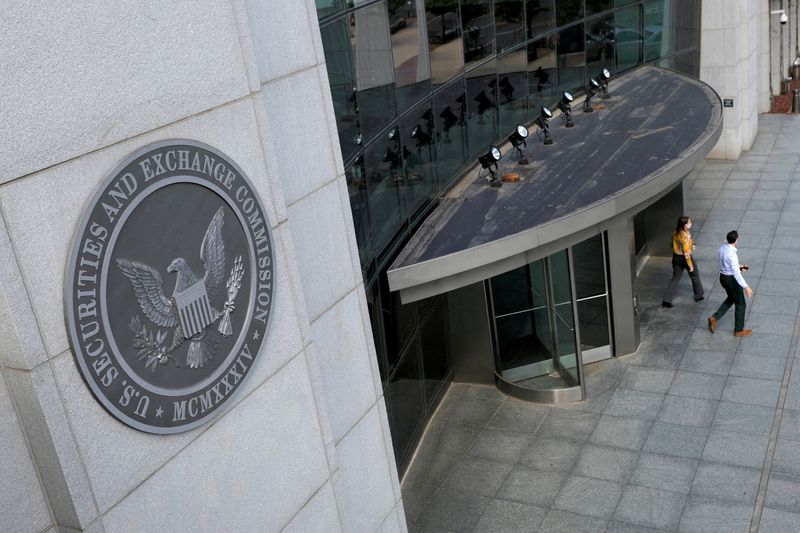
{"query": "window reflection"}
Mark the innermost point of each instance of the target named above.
(477, 30)
(568, 11)
(384, 178)
(373, 66)
(686, 18)
(336, 43)
(599, 45)
(628, 37)
(541, 75)
(509, 23)
(481, 107)
(598, 6)
(443, 26)
(434, 350)
(571, 59)
(417, 135)
(450, 111)
(357, 189)
(406, 402)
(511, 94)
(410, 51)
(326, 8)
(657, 42)
(540, 15)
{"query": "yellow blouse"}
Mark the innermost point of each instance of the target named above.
(682, 244)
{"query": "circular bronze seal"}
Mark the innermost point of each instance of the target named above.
(169, 286)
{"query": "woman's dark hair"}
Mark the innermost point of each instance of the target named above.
(681, 225)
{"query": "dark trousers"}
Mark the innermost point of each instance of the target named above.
(735, 296)
(678, 266)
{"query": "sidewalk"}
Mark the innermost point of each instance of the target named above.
(702, 432)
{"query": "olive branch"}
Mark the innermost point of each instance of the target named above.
(149, 347)
(233, 285)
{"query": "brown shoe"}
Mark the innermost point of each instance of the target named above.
(712, 324)
(743, 333)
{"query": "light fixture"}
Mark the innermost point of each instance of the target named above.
(591, 90)
(784, 18)
(488, 162)
(565, 105)
(603, 78)
(517, 140)
(421, 136)
(543, 122)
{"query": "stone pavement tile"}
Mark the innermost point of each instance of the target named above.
(790, 424)
(787, 457)
(563, 522)
(551, 454)
(480, 476)
(602, 462)
(634, 404)
(793, 394)
(746, 185)
(708, 362)
(780, 288)
(769, 303)
(446, 436)
(453, 510)
(629, 433)
(567, 424)
(431, 466)
(681, 441)
(736, 449)
(743, 418)
(775, 186)
(739, 174)
(622, 527)
(595, 404)
(664, 472)
(659, 356)
(765, 343)
(721, 341)
(500, 445)
(731, 193)
(731, 215)
(532, 487)
(648, 507)
(774, 521)
(757, 215)
(687, 411)
(751, 391)
(726, 482)
(776, 270)
(781, 255)
(510, 517)
(705, 515)
(473, 390)
(647, 379)
(769, 323)
(476, 411)
(416, 498)
(769, 367)
(518, 416)
(696, 385)
(783, 493)
(590, 497)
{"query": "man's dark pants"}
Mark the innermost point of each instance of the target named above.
(735, 296)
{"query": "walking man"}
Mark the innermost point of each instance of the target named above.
(730, 277)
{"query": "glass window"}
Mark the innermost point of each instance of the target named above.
(372, 52)
(481, 107)
(511, 94)
(375, 314)
(598, 6)
(434, 351)
(509, 23)
(399, 322)
(384, 177)
(450, 111)
(599, 45)
(685, 24)
(571, 59)
(568, 11)
(477, 30)
(326, 8)
(410, 50)
(443, 25)
(540, 15)
(419, 155)
(357, 189)
(541, 75)
(336, 43)
(405, 402)
(657, 17)
(686, 63)
(628, 37)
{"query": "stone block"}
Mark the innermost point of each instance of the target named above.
(629, 433)
(726, 482)
(500, 445)
(658, 509)
(634, 404)
(91, 89)
(664, 472)
(751, 391)
(681, 441)
(736, 449)
(287, 463)
(532, 487)
(506, 516)
(703, 514)
(697, 385)
(589, 497)
(743, 418)
(602, 462)
(319, 515)
(481, 476)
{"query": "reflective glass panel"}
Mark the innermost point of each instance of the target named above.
(568, 11)
(540, 16)
(562, 316)
(372, 52)
(686, 63)
(509, 23)
(477, 30)
(511, 93)
(599, 45)
(686, 18)
(357, 189)
(406, 404)
(450, 114)
(419, 155)
(598, 6)
(481, 107)
(434, 350)
(541, 68)
(338, 59)
(443, 25)
(326, 8)
(628, 37)
(589, 267)
(571, 59)
(399, 322)
(410, 51)
(657, 19)
(384, 172)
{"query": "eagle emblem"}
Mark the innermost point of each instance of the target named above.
(196, 303)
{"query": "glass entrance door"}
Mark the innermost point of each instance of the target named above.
(591, 298)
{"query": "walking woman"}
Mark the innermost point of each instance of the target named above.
(682, 246)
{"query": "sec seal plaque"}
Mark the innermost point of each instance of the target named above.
(169, 286)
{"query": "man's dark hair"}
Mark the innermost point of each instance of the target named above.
(732, 236)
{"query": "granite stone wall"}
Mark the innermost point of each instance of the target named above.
(304, 445)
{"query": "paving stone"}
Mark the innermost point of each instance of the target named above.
(622, 527)
(687, 411)
(431, 466)
(567, 424)
(650, 507)
(507, 517)
(726, 482)
(790, 424)
(446, 436)
(678, 440)
(759, 366)
(743, 418)
(629, 433)
(602, 462)
(590, 497)
(774, 521)
(704, 515)
(551, 454)
(783, 493)
(634, 404)
(751, 391)
(787, 457)
(453, 510)
(563, 522)
(664, 472)
(532, 487)
(480, 476)
(707, 362)
(697, 385)
(736, 449)
(476, 411)
(769, 303)
(518, 416)
(416, 498)
(500, 445)
(647, 379)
